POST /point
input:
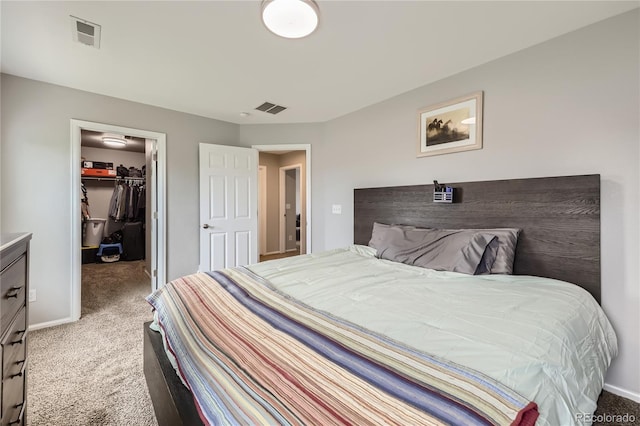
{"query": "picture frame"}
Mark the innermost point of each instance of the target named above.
(451, 126)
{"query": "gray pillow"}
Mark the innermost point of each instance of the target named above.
(507, 241)
(497, 259)
(506, 249)
(488, 258)
(379, 233)
(442, 250)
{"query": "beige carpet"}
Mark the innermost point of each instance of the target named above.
(615, 410)
(90, 372)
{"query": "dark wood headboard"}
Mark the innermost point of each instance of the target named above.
(559, 218)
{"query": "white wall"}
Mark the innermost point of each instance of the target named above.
(36, 148)
(568, 106)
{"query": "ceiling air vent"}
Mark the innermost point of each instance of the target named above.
(85, 32)
(271, 108)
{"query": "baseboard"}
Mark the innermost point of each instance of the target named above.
(270, 253)
(295, 249)
(50, 323)
(622, 392)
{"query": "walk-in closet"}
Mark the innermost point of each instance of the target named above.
(114, 208)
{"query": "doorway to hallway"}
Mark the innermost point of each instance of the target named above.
(284, 200)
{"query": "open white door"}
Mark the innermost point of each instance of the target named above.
(228, 206)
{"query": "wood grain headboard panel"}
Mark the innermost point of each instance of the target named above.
(559, 218)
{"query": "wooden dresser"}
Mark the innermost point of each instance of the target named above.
(14, 290)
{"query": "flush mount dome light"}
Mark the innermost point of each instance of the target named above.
(290, 18)
(114, 140)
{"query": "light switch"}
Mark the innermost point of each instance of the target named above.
(336, 209)
(287, 206)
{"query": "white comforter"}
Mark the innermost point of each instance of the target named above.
(547, 339)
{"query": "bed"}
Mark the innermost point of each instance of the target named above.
(352, 338)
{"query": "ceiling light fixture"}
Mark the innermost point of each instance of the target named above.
(290, 18)
(115, 141)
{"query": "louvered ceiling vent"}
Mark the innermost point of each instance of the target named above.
(271, 108)
(85, 32)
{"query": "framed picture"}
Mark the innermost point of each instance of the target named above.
(451, 126)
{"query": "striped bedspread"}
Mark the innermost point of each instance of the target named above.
(253, 356)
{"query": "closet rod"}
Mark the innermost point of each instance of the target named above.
(130, 178)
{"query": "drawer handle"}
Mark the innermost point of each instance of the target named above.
(19, 419)
(13, 292)
(21, 373)
(21, 341)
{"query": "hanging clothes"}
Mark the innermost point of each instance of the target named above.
(84, 203)
(127, 216)
(125, 201)
(141, 205)
(117, 200)
(132, 198)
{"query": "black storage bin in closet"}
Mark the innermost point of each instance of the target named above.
(133, 241)
(89, 254)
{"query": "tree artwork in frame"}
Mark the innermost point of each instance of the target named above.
(451, 126)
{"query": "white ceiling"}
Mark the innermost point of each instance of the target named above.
(216, 59)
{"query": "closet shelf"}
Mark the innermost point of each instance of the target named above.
(115, 178)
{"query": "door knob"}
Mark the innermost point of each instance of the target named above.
(206, 226)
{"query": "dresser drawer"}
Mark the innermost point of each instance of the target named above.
(13, 370)
(14, 348)
(8, 256)
(13, 283)
(13, 406)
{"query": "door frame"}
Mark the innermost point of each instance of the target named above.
(158, 253)
(307, 149)
(282, 191)
(262, 209)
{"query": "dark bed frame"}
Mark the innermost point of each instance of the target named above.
(172, 401)
(559, 218)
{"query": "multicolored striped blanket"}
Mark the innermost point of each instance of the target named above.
(253, 355)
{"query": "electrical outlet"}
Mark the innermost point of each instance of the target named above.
(290, 237)
(32, 295)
